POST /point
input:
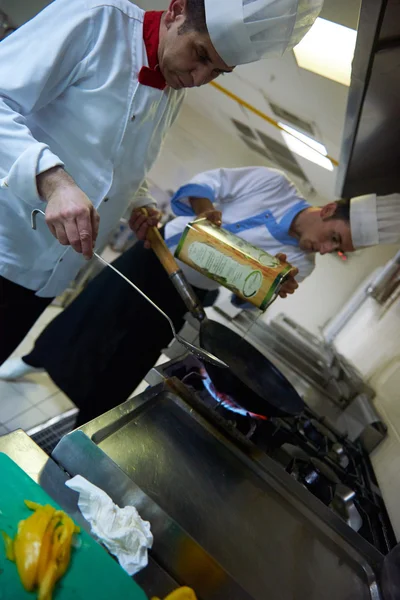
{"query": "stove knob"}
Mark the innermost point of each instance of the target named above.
(340, 456)
(343, 504)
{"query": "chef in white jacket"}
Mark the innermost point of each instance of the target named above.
(257, 203)
(88, 91)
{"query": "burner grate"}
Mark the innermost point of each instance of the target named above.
(344, 480)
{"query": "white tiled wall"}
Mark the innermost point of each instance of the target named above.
(35, 399)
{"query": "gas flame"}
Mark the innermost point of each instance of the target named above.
(224, 399)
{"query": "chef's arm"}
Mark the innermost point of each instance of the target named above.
(70, 215)
(139, 222)
(203, 207)
(37, 63)
(51, 52)
(205, 190)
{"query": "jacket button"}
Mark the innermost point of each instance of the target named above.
(133, 117)
(4, 183)
(106, 200)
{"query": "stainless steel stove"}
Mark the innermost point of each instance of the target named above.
(241, 507)
(322, 459)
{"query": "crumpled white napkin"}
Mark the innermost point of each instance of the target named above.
(121, 530)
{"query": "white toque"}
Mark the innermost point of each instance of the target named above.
(375, 220)
(243, 31)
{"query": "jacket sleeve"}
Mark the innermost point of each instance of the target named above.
(37, 63)
(210, 184)
(143, 197)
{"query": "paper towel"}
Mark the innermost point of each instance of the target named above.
(122, 531)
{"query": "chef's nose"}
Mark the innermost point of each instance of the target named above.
(326, 248)
(202, 74)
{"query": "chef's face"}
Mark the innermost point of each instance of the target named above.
(324, 234)
(186, 57)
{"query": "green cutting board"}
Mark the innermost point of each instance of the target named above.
(92, 573)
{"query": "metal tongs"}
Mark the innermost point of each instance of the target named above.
(180, 283)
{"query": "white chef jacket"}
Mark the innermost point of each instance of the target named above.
(70, 95)
(258, 204)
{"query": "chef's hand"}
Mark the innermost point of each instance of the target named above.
(213, 215)
(70, 216)
(140, 223)
(290, 285)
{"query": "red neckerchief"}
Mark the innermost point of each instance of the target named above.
(152, 75)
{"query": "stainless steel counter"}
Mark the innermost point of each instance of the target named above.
(230, 523)
(42, 469)
(227, 520)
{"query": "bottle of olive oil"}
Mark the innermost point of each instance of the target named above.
(246, 270)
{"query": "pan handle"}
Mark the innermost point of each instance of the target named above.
(175, 273)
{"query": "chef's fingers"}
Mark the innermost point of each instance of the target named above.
(154, 216)
(84, 225)
(216, 217)
(52, 229)
(280, 256)
(289, 288)
(294, 271)
(142, 230)
(72, 233)
(282, 294)
(136, 221)
(290, 284)
(95, 218)
(60, 233)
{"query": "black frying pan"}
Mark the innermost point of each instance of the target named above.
(252, 380)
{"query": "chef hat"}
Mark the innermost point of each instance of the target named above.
(243, 31)
(375, 220)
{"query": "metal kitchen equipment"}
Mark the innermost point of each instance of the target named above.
(196, 350)
(310, 357)
(277, 523)
(390, 577)
(383, 286)
(203, 354)
(175, 273)
(257, 385)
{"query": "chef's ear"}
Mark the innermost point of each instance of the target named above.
(328, 211)
(175, 9)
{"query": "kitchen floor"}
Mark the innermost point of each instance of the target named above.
(35, 398)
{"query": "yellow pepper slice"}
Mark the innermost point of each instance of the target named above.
(183, 593)
(55, 562)
(32, 505)
(45, 552)
(28, 543)
(9, 546)
(48, 582)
